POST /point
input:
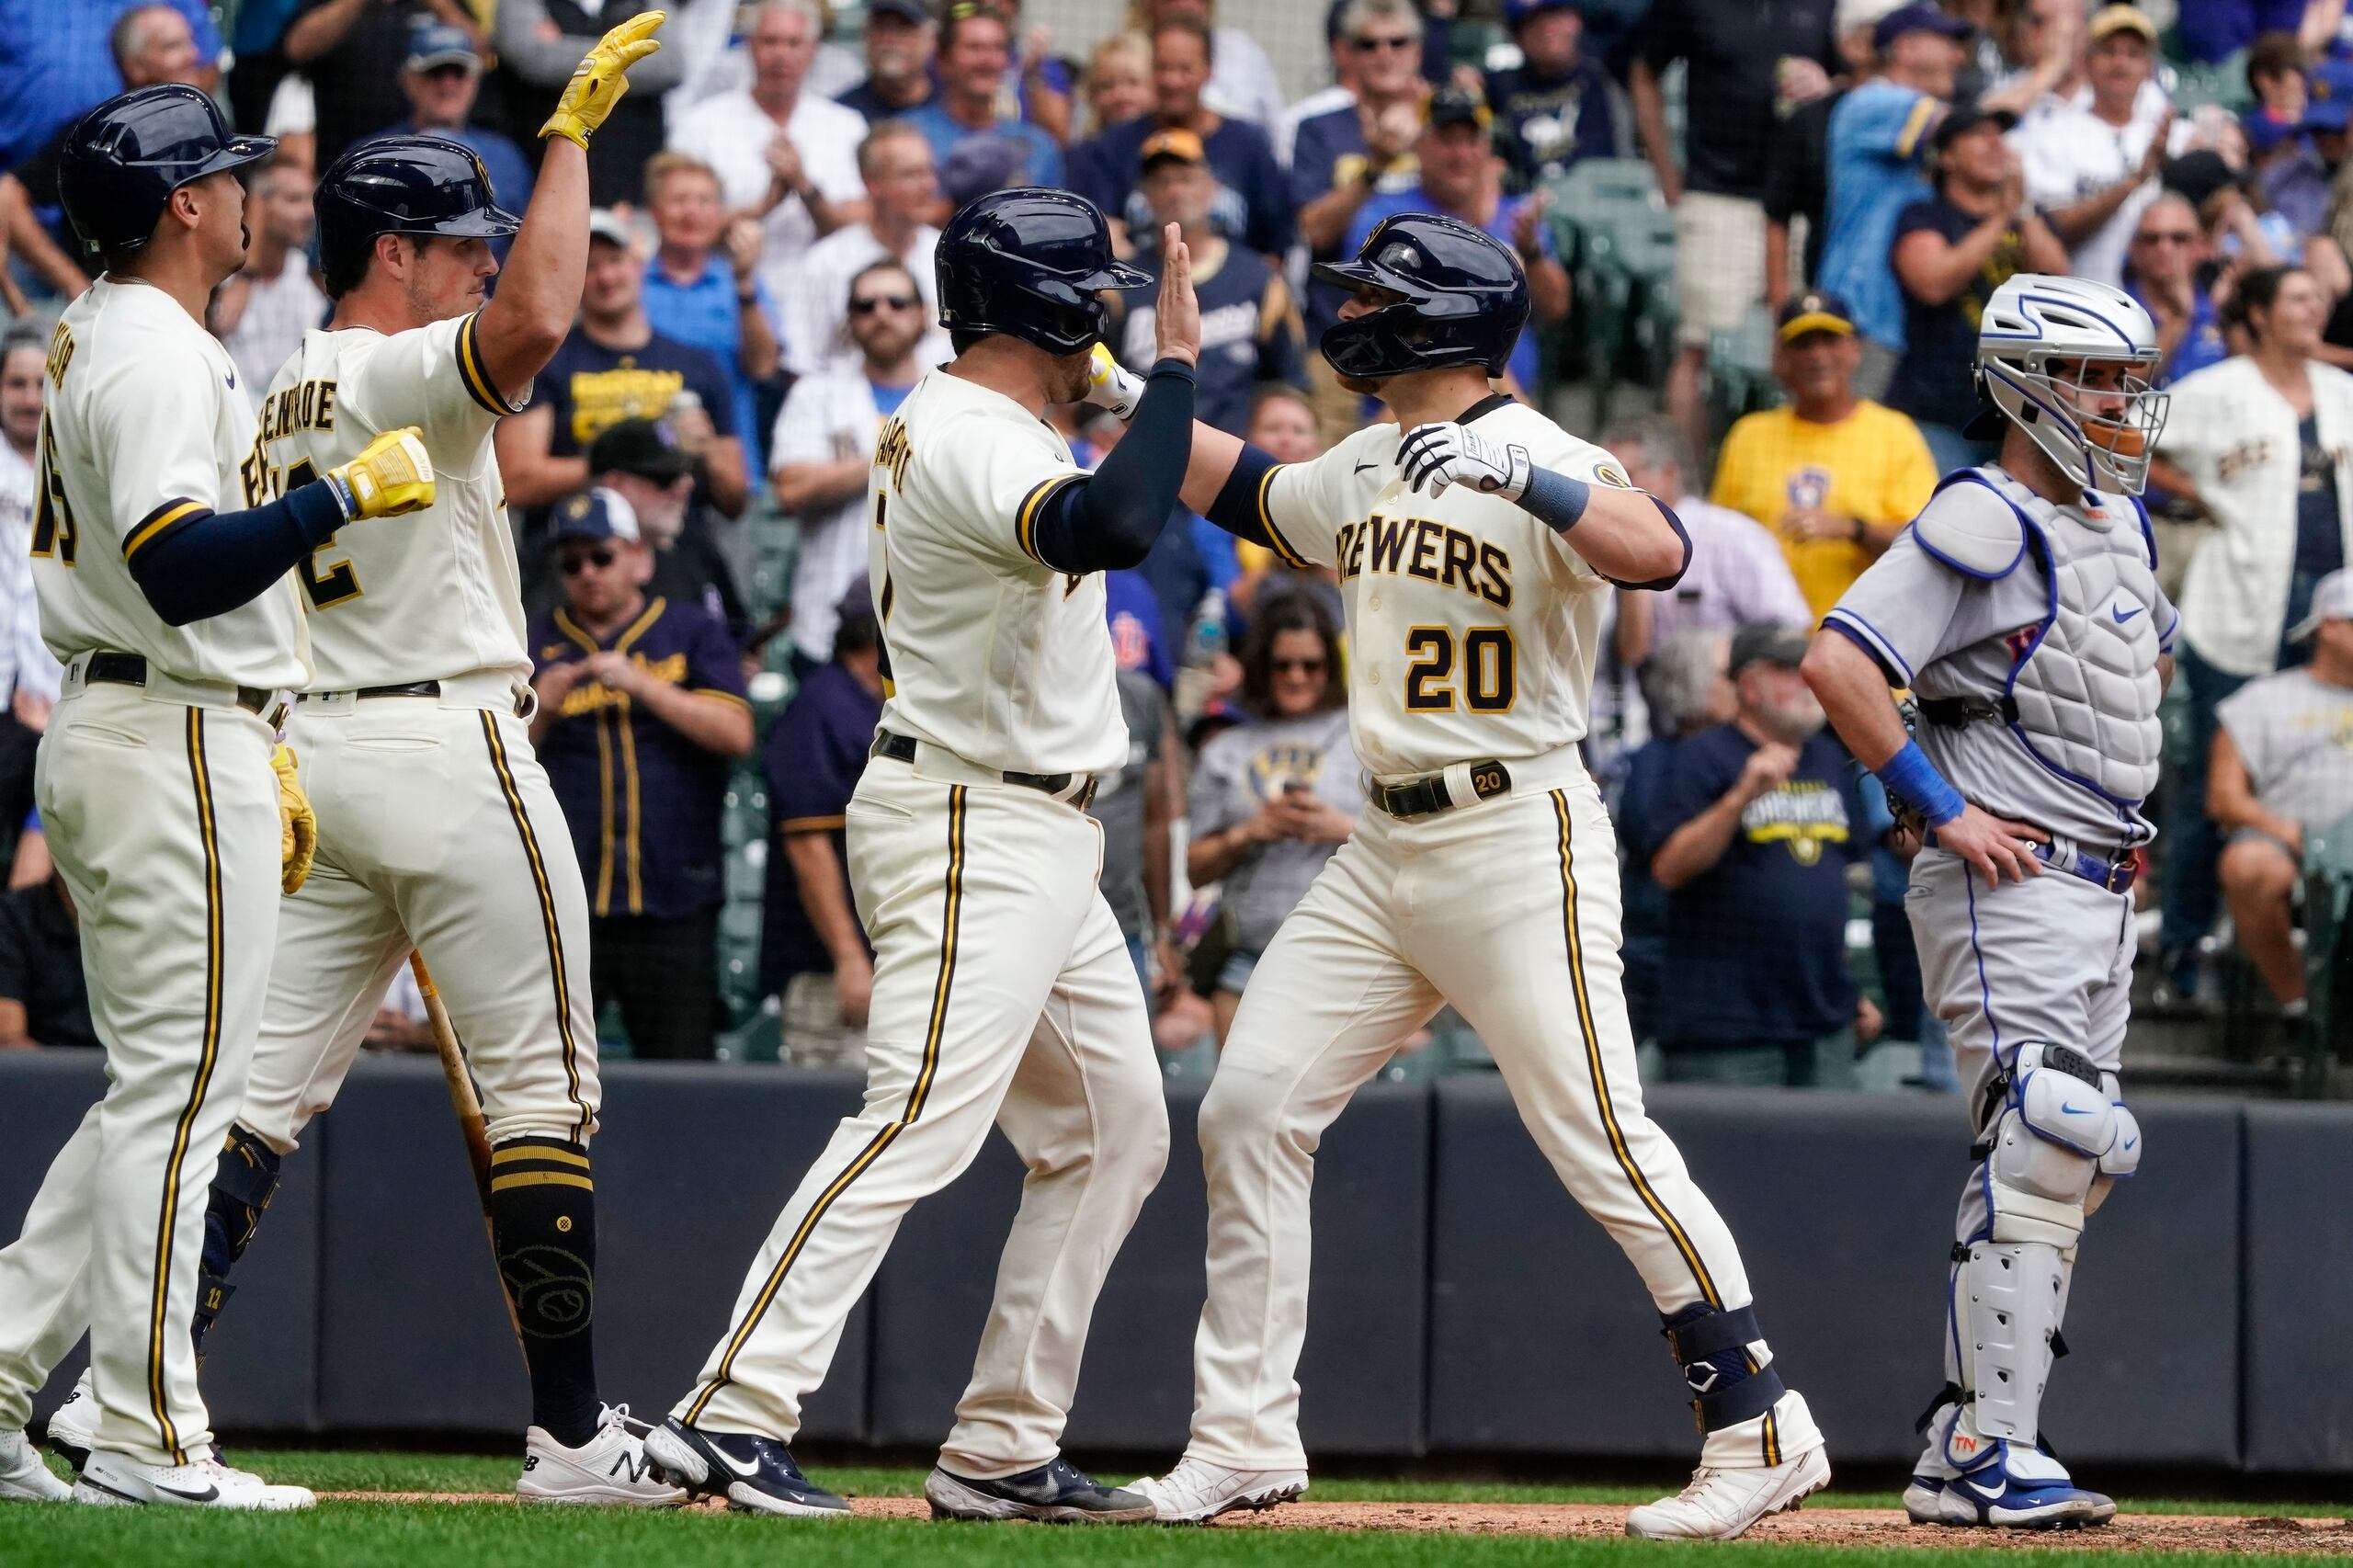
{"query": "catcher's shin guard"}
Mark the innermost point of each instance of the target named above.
(243, 1181)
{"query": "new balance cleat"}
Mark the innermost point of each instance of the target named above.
(609, 1469)
(1197, 1490)
(118, 1481)
(23, 1477)
(753, 1475)
(1057, 1493)
(73, 1429)
(1720, 1504)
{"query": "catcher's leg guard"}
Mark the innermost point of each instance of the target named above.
(243, 1181)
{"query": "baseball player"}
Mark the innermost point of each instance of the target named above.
(1002, 987)
(2021, 606)
(438, 829)
(161, 560)
(1475, 557)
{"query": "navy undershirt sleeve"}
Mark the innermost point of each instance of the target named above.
(1237, 507)
(208, 564)
(1109, 520)
(1661, 584)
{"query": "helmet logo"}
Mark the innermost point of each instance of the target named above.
(1400, 257)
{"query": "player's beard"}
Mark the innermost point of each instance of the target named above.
(1071, 378)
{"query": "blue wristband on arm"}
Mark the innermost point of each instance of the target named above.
(1911, 779)
(1554, 499)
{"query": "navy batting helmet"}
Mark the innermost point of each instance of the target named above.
(122, 161)
(402, 184)
(1030, 262)
(1461, 299)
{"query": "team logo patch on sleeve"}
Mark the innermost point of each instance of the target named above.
(1613, 476)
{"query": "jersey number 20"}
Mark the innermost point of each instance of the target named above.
(1489, 681)
(328, 586)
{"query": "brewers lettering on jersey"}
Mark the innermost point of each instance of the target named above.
(437, 829)
(1476, 556)
(160, 563)
(2022, 609)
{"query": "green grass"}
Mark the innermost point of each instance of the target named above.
(362, 1534)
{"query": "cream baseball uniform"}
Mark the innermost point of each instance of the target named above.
(438, 830)
(1473, 633)
(1002, 991)
(162, 813)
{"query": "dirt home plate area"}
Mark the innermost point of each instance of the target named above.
(1871, 1528)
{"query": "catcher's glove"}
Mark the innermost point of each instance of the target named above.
(297, 830)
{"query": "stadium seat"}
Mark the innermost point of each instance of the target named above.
(1617, 236)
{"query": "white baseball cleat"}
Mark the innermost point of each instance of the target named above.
(118, 1481)
(1197, 1490)
(23, 1477)
(73, 1429)
(609, 1470)
(1720, 1504)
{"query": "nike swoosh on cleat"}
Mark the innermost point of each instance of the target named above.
(210, 1495)
(1990, 1495)
(749, 1471)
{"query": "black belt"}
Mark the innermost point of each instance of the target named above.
(417, 688)
(1957, 713)
(130, 669)
(902, 748)
(1429, 793)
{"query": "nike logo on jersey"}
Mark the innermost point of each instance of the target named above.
(231, 378)
(2123, 615)
(1361, 467)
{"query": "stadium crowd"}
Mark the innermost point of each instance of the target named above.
(1846, 180)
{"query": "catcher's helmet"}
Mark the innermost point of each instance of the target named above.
(1461, 299)
(1030, 262)
(402, 184)
(122, 161)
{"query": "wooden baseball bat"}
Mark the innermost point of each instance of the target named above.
(467, 1104)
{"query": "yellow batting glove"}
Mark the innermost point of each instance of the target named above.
(297, 830)
(600, 79)
(392, 475)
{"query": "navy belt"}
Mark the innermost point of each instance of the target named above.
(2116, 876)
(902, 748)
(130, 669)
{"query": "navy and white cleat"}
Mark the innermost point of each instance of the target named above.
(1058, 1493)
(2019, 1489)
(756, 1475)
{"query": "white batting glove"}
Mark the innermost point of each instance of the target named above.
(1112, 385)
(1435, 456)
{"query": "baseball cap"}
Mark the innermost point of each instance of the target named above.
(1917, 18)
(2121, 19)
(639, 447)
(2328, 103)
(1761, 643)
(1853, 14)
(2264, 133)
(1172, 145)
(1456, 106)
(1518, 11)
(609, 226)
(2197, 176)
(979, 165)
(1815, 310)
(904, 10)
(432, 43)
(597, 514)
(2332, 600)
(1968, 117)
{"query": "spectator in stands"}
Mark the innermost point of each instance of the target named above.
(1118, 81)
(640, 709)
(1282, 424)
(903, 196)
(2275, 75)
(60, 60)
(2253, 442)
(1461, 176)
(347, 49)
(1038, 82)
(1249, 329)
(1684, 690)
(261, 313)
(786, 156)
(823, 446)
(258, 49)
(613, 367)
(641, 461)
(1835, 476)
(1276, 795)
(2214, 30)
(975, 50)
(2296, 181)
(1740, 58)
(1951, 251)
(1797, 165)
(27, 668)
(2164, 272)
(1134, 803)
(43, 998)
(1250, 204)
(1737, 575)
(1554, 105)
(2092, 165)
(1879, 139)
(441, 78)
(1754, 820)
(813, 952)
(1345, 155)
(2282, 769)
(1243, 83)
(539, 44)
(899, 40)
(702, 284)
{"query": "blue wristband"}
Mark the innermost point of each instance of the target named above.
(1554, 499)
(1911, 779)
